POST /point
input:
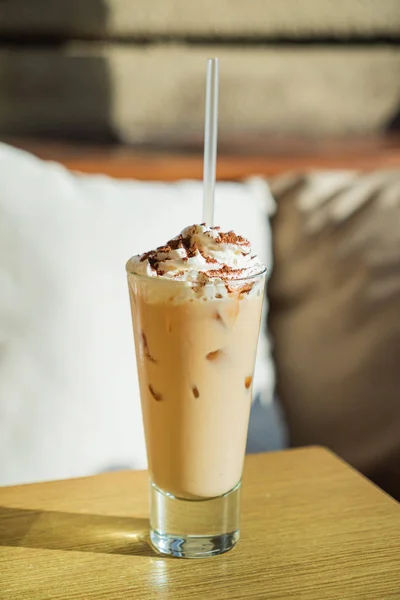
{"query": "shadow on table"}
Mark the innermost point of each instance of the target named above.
(52, 530)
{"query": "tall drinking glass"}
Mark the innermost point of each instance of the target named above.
(195, 353)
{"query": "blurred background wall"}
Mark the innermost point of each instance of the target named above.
(133, 70)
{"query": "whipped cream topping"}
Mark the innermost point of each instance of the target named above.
(199, 254)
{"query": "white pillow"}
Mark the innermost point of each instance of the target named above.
(69, 400)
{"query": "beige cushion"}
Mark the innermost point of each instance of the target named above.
(335, 315)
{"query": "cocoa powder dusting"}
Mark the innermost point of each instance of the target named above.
(192, 250)
(153, 262)
(231, 238)
(186, 242)
(208, 259)
(224, 272)
(145, 256)
(175, 244)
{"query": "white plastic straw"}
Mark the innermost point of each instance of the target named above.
(210, 141)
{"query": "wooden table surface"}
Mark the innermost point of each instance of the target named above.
(312, 529)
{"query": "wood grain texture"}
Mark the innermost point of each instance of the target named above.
(239, 156)
(312, 529)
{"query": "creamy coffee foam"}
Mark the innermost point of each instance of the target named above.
(199, 254)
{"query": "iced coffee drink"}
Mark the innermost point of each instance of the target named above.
(196, 307)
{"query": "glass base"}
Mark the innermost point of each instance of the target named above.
(194, 528)
(191, 546)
